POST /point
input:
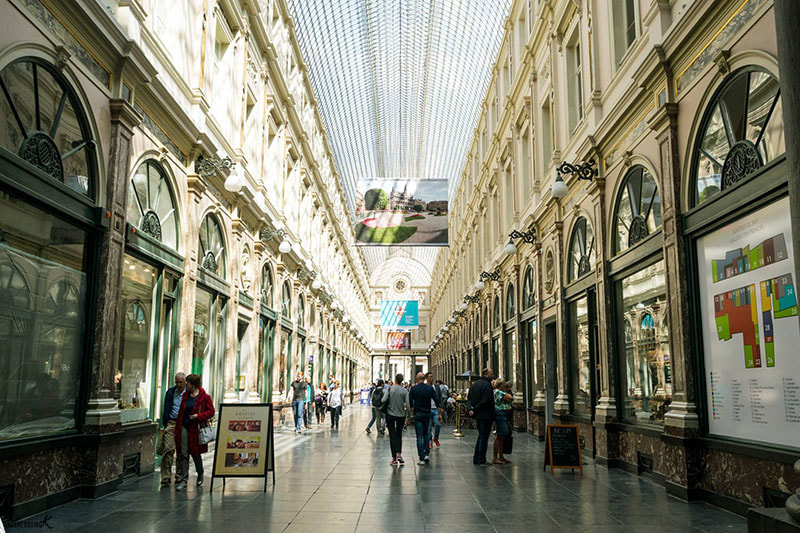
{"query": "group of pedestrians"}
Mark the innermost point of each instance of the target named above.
(489, 403)
(308, 401)
(394, 406)
(187, 407)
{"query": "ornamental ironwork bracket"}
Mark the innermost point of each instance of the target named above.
(493, 276)
(526, 236)
(585, 171)
(471, 299)
(267, 235)
(458, 313)
(304, 274)
(207, 167)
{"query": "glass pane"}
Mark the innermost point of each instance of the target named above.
(201, 345)
(132, 373)
(713, 150)
(647, 380)
(42, 308)
(581, 358)
(624, 218)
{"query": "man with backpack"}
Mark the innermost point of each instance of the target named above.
(376, 397)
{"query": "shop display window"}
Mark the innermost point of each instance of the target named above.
(43, 285)
(646, 367)
(132, 373)
(581, 365)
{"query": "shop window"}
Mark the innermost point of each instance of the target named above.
(581, 250)
(646, 372)
(212, 246)
(496, 312)
(43, 286)
(45, 124)
(151, 204)
(581, 367)
(511, 302)
(741, 130)
(528, 292)
(638, 212)
(133, 366)
(267, 285)
(286, 300)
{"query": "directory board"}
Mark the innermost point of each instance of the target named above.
(748, 305)
(399, 314)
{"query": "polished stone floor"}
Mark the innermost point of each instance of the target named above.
(327, 483)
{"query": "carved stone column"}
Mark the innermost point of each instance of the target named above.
(561, 404)
(681, 421)
(103, 459)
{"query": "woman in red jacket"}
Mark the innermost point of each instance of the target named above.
(196, 407)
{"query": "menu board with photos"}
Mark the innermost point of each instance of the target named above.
(244, 446)
(749, 313)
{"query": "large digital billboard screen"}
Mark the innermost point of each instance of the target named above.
(399, 314)
(401, 211)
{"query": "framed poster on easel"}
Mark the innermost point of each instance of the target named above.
(245, 445)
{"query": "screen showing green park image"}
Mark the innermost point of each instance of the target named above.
(401, 211)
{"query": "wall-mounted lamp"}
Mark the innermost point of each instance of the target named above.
(585, 171)
(526, 236)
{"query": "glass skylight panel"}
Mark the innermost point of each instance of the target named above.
(399, 82)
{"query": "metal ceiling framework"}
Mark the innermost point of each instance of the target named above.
(400, 84)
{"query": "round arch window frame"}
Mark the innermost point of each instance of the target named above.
(511, 302)
(267, 285)
(638, 229)
(528, 289)
(744, 155)
(577, 270)
(150, 222)
(38, 144)
(286, 299)
(210, 260)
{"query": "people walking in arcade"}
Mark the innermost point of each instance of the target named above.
(196, 409)
(480, 402)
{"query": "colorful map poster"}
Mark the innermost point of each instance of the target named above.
(750, 329)
(735, 312)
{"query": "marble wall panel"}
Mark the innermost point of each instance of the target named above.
(744, 478)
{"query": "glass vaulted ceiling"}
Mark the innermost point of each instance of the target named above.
(399, 84)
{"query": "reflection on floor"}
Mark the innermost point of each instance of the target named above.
(328, 483)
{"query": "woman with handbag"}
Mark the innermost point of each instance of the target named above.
(502, 415)
(192, 431)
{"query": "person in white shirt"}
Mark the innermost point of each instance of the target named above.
(335, 401)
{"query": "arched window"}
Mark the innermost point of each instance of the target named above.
(638, 211)
(151, 204)
(312, 316)
(301, 311)
(136, 317)
(286, 300)
(511, 302)
(528, 291)
(496, 313)
(485, 318)
(581, 250)
(267, 285)
(212, 246)
(741, 130)
(45, 124)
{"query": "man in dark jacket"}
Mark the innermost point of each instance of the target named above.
(480, 402)
(172, 404)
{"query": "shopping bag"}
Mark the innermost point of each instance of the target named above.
(206, 433)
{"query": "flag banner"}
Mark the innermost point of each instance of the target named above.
(399, 314)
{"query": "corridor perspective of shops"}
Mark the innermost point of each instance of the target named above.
(232, 224)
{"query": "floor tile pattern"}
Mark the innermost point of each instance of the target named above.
(329, 482)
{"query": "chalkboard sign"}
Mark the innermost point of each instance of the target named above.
(562, 447)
